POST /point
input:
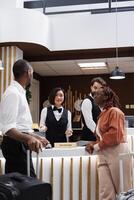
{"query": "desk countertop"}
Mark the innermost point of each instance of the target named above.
(59, 152)
(130, 131)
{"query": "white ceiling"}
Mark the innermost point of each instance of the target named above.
(70, 67)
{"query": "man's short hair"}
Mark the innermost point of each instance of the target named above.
(20, 67)
(98, 80)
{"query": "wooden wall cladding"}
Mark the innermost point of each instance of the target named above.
(8, 57)
(123, 88)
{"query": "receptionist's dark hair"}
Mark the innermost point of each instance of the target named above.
(53, 93)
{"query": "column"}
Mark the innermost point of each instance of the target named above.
(8, 55)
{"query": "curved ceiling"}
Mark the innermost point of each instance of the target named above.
(63, 63)
(34, 52)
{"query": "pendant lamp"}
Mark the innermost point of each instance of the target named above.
(117, 72)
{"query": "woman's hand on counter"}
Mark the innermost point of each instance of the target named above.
(90, 148)
(43, 128)
(68, 133)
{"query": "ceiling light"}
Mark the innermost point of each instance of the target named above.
(98, 65)
(1, 65)
(117, 74)
(93, 68)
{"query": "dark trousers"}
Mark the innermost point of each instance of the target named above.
(15, 153)
(88, 135)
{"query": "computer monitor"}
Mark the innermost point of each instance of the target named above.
(129, 121)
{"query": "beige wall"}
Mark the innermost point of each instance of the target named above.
(34, 104)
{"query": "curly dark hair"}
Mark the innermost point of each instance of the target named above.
(53, 93)
(112, 99)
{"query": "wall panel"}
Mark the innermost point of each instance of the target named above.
(124, 88)
(8, 55)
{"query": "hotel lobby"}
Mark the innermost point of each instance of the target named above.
(56, 37)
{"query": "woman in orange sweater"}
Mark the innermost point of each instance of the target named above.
(111, 141)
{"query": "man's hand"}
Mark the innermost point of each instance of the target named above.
(34, 141)
(37, 142)
(34, 144)
(41, 139)
(90, 148)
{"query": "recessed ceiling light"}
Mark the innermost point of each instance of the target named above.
(93, 68)
(93, 65)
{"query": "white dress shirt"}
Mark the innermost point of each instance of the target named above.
(14, 109)
(96, 146)
(57, 116)
(86, 109)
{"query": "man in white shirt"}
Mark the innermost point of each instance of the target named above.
(90, 110)
(16, 122)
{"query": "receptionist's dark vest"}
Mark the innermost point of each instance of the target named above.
(56, 129)
(86, 132)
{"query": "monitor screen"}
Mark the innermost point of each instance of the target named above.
(129, 120)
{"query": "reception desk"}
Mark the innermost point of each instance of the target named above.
(71, 171)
